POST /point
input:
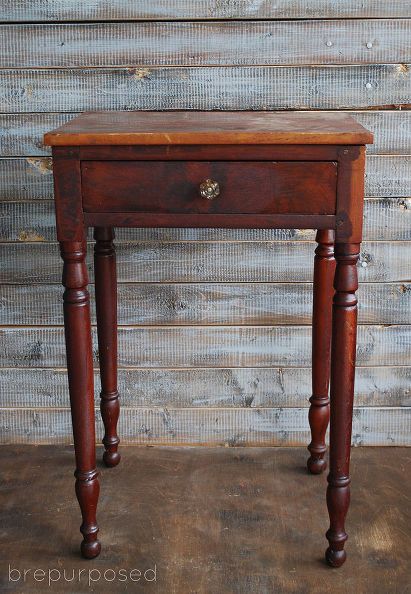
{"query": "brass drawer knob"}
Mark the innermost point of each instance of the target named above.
(209, 189)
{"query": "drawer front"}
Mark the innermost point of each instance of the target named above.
(264, 187)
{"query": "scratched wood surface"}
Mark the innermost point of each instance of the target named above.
(220, 43)
(212, 520)
(206, 261)
(205, 346)
(206, 303)
(22, 134)
(100, 10)
(198, 337)
(242, 87)
(202, 426)
(205, 387)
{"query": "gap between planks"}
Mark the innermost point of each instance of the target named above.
(145, 66)
(217, 409)
(194, 368)
(204, 19)
(173, 10)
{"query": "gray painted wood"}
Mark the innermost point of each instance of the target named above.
(384, 219)
(243, 261)
(206, 346)
(31, 179)
(22, 134)
(100, 10)
(225, 427)
(388, 176)
(197, 388)
(199, 303)
(241, 87)
(224, 43)
(26, 179)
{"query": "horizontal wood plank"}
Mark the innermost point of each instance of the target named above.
(206, 346)
(22, 134)
(100, 10)
(219, 43)
(214, 388)
(384, 219)
(227, 427)
(244, 261)
(31, 179)
(186, 304)
(229, 88)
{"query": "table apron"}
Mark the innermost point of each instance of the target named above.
(224, 221)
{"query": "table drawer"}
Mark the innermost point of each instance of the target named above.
(263, 187)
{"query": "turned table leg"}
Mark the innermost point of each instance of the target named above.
(106, 307)
(319, 413)
(80, 377)
(341, 396)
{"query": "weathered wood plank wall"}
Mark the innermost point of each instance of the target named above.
(209, 353)
(100, 10)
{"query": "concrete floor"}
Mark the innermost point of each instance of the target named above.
(211, 521)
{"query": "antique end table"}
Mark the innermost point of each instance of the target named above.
(207, 169)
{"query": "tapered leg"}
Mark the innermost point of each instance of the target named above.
(80, 377)
(341, 395)
(106, 307)
(319, 414)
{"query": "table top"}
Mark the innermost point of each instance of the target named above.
(196, 127)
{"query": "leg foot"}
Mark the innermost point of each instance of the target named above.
(316, 465)
(111, 459)
(90, 550)
(335, 558)
(87, 491)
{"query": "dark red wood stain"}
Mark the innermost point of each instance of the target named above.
(273, 170)
(173, 187)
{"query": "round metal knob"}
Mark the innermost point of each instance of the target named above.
(209, 189)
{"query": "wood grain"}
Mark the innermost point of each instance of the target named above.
(172, 128)
(204, 43)
(255, 507)
(243, 261)
(164, 65)
(100, 10)
(199, 303)
(227, 522)
(176, 187)
(22, 134)
(200, 388)
(26, 179)
(232, 427)
(384, 219)
(201, 88)
(206, 346)
(31, 179)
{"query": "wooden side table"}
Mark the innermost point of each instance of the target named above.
(224, 169)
